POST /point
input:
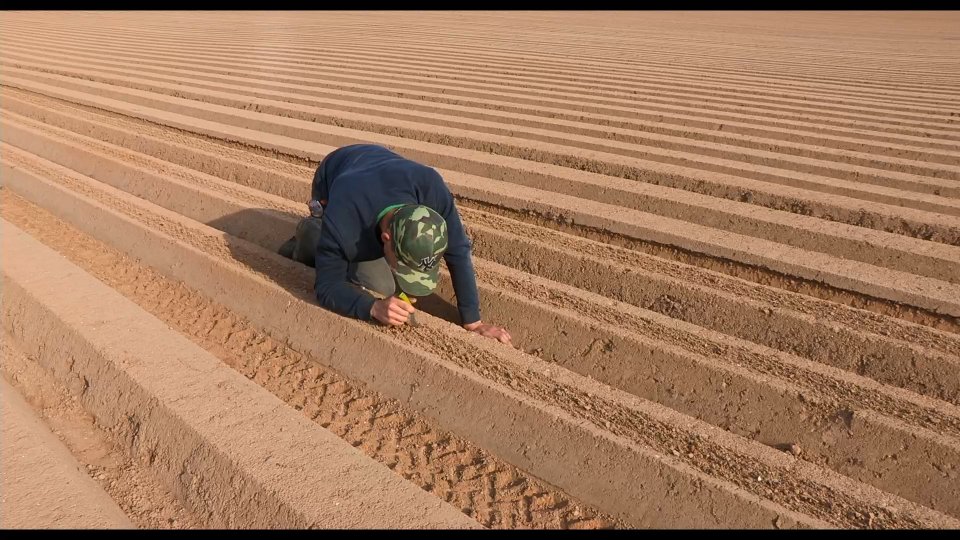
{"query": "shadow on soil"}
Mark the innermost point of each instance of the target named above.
(269, 229)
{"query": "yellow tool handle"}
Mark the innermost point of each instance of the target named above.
(413, 316)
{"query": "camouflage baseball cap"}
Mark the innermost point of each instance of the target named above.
(420, 239)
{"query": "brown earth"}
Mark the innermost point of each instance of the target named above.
(43, 486)
(727, 246)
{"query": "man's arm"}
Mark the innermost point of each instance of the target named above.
(460, 263)
(333, 290)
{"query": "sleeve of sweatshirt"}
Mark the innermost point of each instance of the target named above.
(459, 262)
(334, 292)
(318, 189)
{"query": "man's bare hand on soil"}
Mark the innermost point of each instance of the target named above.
(490, 331)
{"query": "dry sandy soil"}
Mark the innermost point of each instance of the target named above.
(727, 246)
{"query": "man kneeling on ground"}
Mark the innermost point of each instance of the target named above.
(380, 222)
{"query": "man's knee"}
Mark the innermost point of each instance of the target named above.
(288, 247)
(305, 240)
(375, 276)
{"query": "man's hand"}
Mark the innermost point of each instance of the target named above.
(490, 331)
(392, 310)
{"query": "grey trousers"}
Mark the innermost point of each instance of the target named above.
(375, 276)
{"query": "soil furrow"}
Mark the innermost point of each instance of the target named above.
(840, 164)
(809, 196)
(814, 134)
(427, 60)
(694, 117)
(656, 203)
(926, 185)
(199, 209)
(930, 112)
(245, 220)
(132, 485)
(389, 433)
(411, 390)
(179, 409)
(474, 185)
(897, 225)
(728, 122)
(727, 246)
(864, 361)
(596, 404)
(436, 157)
(289, 190)
(481, 49)
(267, 175)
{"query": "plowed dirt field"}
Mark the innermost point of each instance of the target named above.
(727, 246)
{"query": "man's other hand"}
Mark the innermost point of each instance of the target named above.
(490, 331)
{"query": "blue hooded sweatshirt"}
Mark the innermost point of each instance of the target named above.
(356, 182)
